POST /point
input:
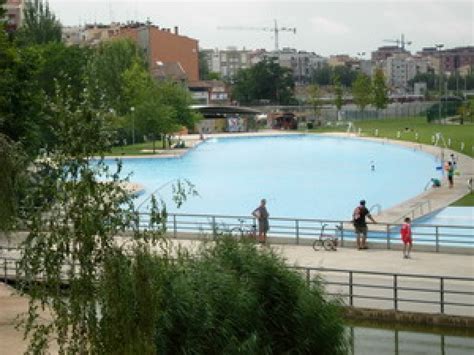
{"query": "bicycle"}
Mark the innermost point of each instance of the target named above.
(327, 241)
(244, 232)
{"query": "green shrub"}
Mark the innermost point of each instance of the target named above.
(233, 298)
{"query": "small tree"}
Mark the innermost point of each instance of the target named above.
(361, 91)
(314, 100)
(380, 97)
(338, 101)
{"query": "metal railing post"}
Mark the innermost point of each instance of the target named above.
(308, 276)
(342, 233)
(395, 292)
(437, 238)
(175, 229)
(441, 294)
(351, 290)
(388, 236)
(297, 226)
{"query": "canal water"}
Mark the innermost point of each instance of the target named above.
(381, 339)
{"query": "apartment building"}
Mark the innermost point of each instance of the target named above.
(14, 16)
(228, 62)
(400, 68)
(301, 63)
(163, 46)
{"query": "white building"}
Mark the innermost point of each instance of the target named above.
(229, 61)
(401, 68)
(302, 63)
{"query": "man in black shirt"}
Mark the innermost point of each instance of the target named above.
(358, 219)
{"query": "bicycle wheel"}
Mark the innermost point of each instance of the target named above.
(328, 244)
(316, 243)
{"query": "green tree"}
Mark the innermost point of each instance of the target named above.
(106, 71)
(338, 92)
(63, 66)
(203, 66)
(322, 76)
(160, 108)
(12, 161)
(2, 11)
(380, 97)
(346, 74)
(22, 116)
(314, 100)
(361, 91)
(266, 80)
(39, 24)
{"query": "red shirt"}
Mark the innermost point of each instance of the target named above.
(405, 231)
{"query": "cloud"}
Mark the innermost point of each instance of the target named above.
(329, 26)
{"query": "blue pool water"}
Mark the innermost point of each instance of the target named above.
(306, 176)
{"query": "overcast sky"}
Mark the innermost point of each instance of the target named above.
(325, 27)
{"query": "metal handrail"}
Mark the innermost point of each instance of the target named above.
(396, 279)
(437, 237)
(464, 298)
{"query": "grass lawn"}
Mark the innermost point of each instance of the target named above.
(389, 127)
(466, 201)
(136, 149)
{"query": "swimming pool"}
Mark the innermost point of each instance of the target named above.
(306, 176)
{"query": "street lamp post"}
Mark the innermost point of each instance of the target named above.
(438, 48)
(132, 110)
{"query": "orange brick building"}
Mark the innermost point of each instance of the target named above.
(162, 46)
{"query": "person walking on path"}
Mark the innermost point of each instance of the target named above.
(360, 225)
(405, 233)
(450, 174)
(261, 214)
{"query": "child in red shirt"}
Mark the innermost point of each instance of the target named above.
(405, 233)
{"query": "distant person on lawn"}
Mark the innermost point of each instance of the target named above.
(360, 225)
(405, 233)
(261, 214)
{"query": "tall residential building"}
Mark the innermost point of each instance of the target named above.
(165, 48)
(455, 58)
(14, 16)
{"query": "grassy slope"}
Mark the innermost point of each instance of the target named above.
(389, 127)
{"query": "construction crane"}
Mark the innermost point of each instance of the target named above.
(400, 42)
(275, 29)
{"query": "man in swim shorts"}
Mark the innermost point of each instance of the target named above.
(360, 225)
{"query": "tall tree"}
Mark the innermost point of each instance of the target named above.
(380, 97)
(361, 91)
(266, 80)
(107, 66)
(39, 24)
